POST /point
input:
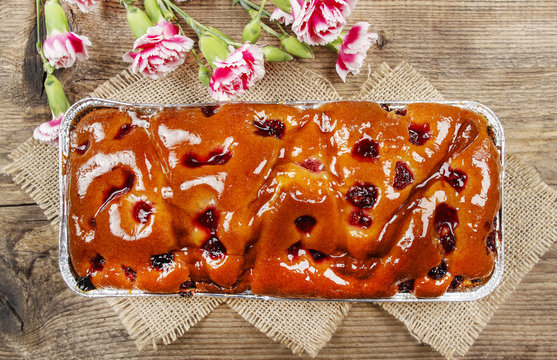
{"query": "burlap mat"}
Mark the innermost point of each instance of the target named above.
(307, 326)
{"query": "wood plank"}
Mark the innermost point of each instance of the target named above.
(499, 52)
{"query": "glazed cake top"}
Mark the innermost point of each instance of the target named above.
(343, 201)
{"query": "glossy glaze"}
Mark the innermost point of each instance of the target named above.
(348, 200)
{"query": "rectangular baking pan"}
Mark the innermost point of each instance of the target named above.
(81, 107)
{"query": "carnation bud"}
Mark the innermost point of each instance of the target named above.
(153, 10)
(274, 54)
(55, 18)
(213, 48)
(204, 75)
(57, 99)
(252, 13)
(138, 20)
(252, 31)
(284, 5)
(296, 47)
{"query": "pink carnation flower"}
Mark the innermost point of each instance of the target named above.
(241, 69)
(62, 49)
(318, 22)
(48, 131)
(354, 49)
(84, 5)
(160, 51)
(281, 16)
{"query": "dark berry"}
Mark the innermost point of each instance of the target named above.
(476, 281)
(294, 249)
(97, 264)
(82, 149)
(445, 215)
(142, 211)
(359, 218)
(403, 176)
(366, 149)
(209, 110)
(317, 255)
(456, 178)
(124, 130)
(406, 286)
(218, 157)
(447, 239)
(312, 165)
(129, 273)
(186, 285)
(401, 112)
(305, 223)
(93, 222)
(419, 134)
(490, 242)
(438, 272)
(269, 127)
(362, 195)
(209, 219)
(116, 191)
(214, 247)
(192, 160)
(455, 283)
(159, 261)
(85, 284)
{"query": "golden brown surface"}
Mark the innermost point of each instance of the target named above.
(347, 200)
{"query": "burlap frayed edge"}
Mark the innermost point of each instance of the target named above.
(313, 77)
(138, 326)
(17, 170)
(402, 72)
(116, 83)
(312, 349)
(134, 323)
(125, 78)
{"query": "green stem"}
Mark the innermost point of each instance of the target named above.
(39, 45)
(248, 5)
(38, 3)
(269, 30)
(195, 25)
(197, 58)
(254, 6)
(281, 28)
(198, 27)
(261, 9)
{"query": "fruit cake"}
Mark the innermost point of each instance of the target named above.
(344, 200)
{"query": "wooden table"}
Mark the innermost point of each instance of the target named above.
(501, 53)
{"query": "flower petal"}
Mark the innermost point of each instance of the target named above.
(160, 51)
(353, 50)
(241, 69)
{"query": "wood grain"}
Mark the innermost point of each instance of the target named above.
(499, 52)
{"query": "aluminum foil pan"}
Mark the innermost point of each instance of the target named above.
(80, 108)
